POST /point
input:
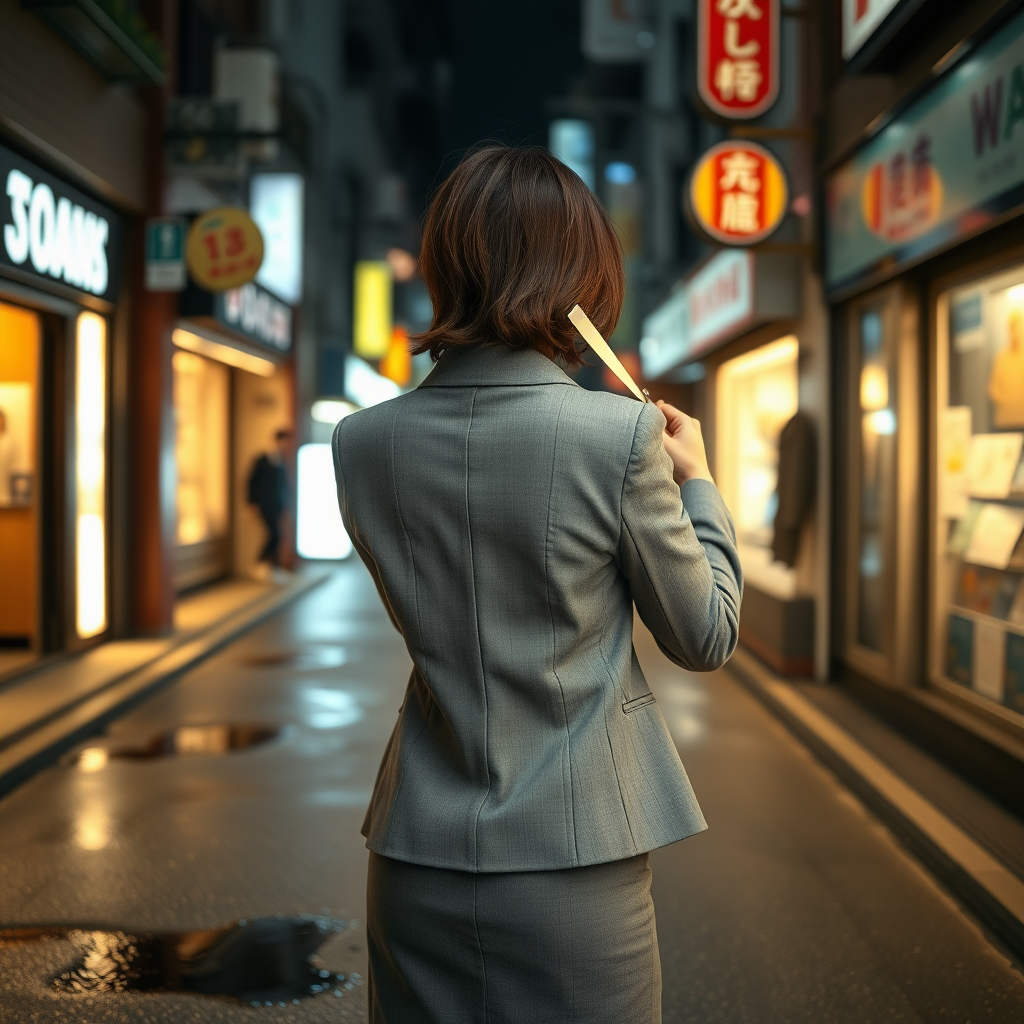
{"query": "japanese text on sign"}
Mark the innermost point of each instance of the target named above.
(738, 193)
(738, 56)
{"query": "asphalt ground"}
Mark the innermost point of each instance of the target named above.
(796, 904)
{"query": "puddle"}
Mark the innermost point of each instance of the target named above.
(184, 741)
(263, 961)
(316, 657)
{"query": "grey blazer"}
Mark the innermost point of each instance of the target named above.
(510, 519)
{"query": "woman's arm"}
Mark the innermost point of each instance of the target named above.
(677, 546)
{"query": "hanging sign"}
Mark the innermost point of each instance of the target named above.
(738, 56)
(737, 194)
(165, 254)
(224, 249)
(54, 233)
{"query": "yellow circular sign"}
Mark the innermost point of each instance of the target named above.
(224, 249)
(738, 193)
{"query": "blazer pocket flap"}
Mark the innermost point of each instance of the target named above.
(637, 702)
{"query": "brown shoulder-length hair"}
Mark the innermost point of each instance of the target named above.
(512, 241)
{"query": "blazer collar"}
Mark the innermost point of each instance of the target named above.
(494, 365)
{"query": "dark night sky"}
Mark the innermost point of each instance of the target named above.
(509, 56)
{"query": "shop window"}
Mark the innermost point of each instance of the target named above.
(756, 397)
(201, 416)
(977, 629)
(877, 394)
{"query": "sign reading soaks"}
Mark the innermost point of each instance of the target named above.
(947, 167)
(53, 232)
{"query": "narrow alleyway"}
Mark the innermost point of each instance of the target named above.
(796, 905)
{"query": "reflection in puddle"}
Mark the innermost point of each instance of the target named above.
(315, 657)
(266, 961)
(185, 740)
(334, 708)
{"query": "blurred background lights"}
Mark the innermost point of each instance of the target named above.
(572, 141)
(365, 386)
(331, 410)
(319, 531)
(402, 263)
(619, 173)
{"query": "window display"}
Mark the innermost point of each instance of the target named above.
(978, 613)
(757, 396)
(201, 402)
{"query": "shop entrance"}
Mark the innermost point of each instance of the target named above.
(20, 350)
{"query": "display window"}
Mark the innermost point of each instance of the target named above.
(20, 344)
(757, 394)
(977, 634)
(201, 418)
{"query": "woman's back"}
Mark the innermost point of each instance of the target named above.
(511, 518)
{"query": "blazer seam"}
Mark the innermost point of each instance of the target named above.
(480, 946)
(479, 647)
(625, 472)
(551, 618)
(618, 781)
(419, 634)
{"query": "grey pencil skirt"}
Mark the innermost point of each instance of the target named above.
(529, 947)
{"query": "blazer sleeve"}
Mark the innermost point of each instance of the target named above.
(677, 549)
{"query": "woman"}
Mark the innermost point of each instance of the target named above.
(510, 520)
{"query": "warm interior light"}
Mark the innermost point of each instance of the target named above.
(193, 342)
(90, 475)
(874, 387)
(331, 410)
(319, 531)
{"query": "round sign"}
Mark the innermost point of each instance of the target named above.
(737, 194)
(224, 249)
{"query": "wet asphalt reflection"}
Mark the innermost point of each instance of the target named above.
(235, 794)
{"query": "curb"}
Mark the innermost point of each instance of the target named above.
(58, 733)
(992, 892)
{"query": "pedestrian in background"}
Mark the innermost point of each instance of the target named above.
(511, 519)
(268, 492)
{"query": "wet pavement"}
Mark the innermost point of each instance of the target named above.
(140, 855)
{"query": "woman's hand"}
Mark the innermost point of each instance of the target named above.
(685, 445)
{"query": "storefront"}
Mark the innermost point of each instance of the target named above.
(59, 278)
(926, 272)
(233, 390)
(737, 332)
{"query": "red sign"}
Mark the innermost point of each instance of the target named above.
(738, 56)
(738, 193)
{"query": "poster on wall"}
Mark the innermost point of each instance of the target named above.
(15, 445)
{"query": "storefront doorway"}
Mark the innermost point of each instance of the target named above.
(20, 359)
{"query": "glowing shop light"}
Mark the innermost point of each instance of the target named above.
(331, 410)
(192, 342)
(365, 386)
(319, 531)
(90, 475)
(874, 387)
(881, 422)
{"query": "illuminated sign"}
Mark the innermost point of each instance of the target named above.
(372, 335)
(224, 249)
(860, 19)
(52, 231)
(947, 167)
(276, 202)
(733, 292)
(737, 194)
(257, 314)
(738, 56)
